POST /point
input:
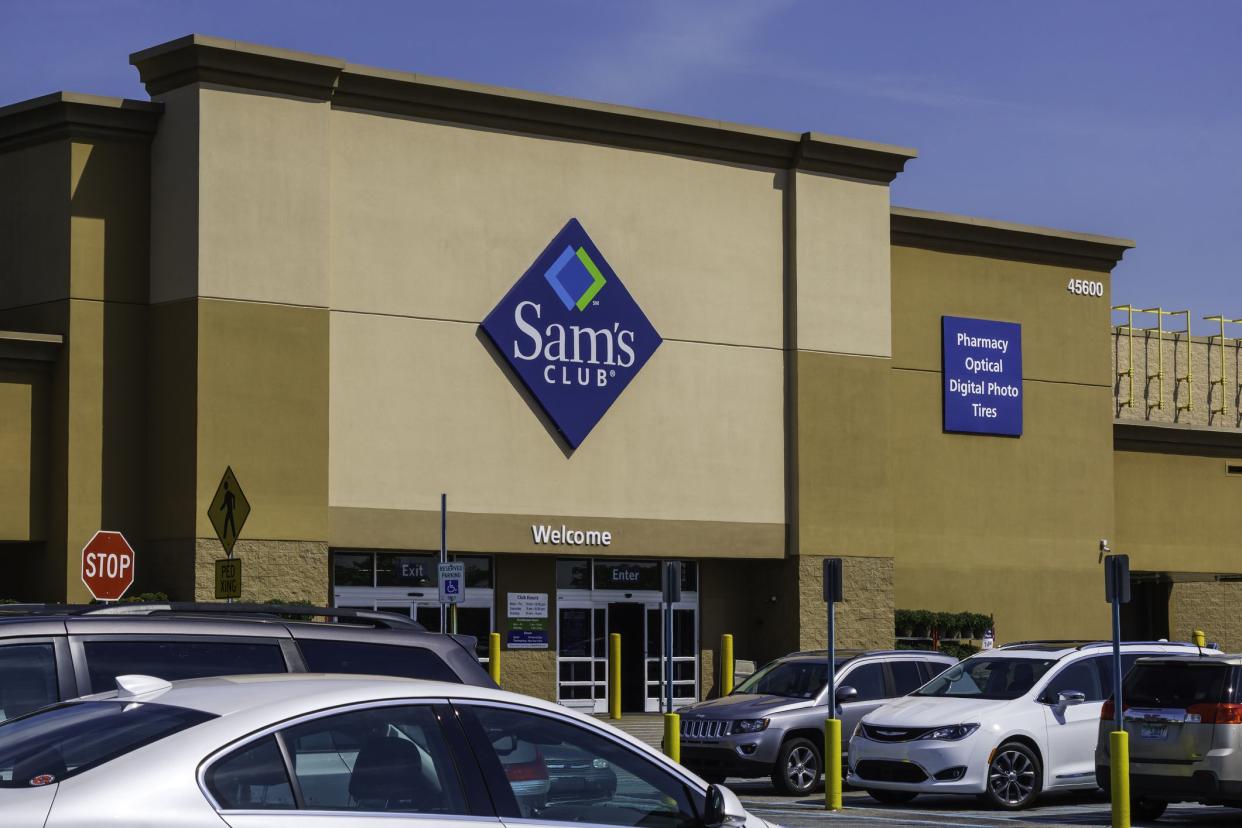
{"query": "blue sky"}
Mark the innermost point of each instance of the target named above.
(1110, 116)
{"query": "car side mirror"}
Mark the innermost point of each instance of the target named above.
(723, 809)
(1069, 698)
(845, 693)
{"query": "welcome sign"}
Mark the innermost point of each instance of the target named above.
(572, 333)
(982, 376)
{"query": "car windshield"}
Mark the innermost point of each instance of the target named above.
(988, 678)
(55, 743)
(794, 679)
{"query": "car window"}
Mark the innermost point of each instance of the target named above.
(55, 743)
(794, 679)
(1105, 665)
(1081, 676)
(907, 677)
(327, 656)
(177, 659)
(1177, 685)
(29, 672)
(931, 669)
(560, 772)
(868, 680)
(988, 677)
(386, 759)
(253, 777)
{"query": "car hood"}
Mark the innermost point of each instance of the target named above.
(934, 711)
(26, 807)
(743, 706)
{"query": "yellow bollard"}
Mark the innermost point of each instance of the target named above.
(1119, 771)
(614, 676)
(672, 736)
(832, 764)
(493, 656)
(1200, 638)
(726, 664)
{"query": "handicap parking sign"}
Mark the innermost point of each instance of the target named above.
(452, 576)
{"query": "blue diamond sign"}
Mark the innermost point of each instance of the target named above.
(572, 333)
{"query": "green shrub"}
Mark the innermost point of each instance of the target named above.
(958, 650)
(903, 623)
(922, 622)
(146, 598)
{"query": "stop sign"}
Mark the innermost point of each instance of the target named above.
(108, 565)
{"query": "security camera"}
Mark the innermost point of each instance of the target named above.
(1104, 545)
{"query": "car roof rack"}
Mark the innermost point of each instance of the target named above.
(375, 618)
(1081, 645)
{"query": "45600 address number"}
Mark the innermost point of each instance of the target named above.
(1085, 287)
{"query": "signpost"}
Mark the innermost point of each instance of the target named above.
(672, 722)
(228, 512)
(1117, 592)
(833, 592)
(108, 566)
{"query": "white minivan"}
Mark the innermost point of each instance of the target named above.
(1006, 723)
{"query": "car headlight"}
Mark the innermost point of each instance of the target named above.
(750, 725)
(951, 733)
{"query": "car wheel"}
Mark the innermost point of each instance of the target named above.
(797, 768)
(1147, 810)
(891, 797)
(1015, 777)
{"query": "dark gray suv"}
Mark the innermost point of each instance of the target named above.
(51, 653)
(772, 724)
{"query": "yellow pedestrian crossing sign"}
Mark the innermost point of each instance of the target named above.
(228, 511)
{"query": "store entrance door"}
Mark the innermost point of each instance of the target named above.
(628, 619)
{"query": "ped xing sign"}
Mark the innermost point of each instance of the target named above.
(108, 566)
(982, 376)
(572, 333)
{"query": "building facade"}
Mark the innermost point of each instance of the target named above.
(610, 337)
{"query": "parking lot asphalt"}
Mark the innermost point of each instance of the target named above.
(861, 811)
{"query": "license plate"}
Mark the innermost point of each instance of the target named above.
(1153, 731)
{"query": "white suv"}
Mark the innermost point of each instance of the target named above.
(1007, 724)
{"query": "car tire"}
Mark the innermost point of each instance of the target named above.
(891, 797)
(1015, 777)
(1143, 809)
(798, 766)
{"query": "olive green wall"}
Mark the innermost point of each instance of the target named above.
(1008, 526)
(24, 412)
(526, 671)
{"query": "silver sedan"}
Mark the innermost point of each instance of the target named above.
(331, 751)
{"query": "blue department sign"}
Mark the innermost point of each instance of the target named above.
(982, 376)
(572, 333)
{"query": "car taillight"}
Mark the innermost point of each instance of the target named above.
(1109, 710)
(527, 771)
(1216, 713)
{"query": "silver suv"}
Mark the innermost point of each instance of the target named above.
(1184, 717)
(773, 723)
(50, 653)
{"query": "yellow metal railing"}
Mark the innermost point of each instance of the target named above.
(1159, 375)
(1189, 377)
(1221, 340)
(1129, 372)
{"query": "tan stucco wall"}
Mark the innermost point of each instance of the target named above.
(1200, 385)
(24, 393)
(1179, 511)
(436, 221)
(421, 407)
(1002, 525)
(842, 265)
(864, 620)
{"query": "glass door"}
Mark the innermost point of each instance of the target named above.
(685, 657)
(582, 656)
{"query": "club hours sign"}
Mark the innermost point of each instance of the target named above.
(982, 376)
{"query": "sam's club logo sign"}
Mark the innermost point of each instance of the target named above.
(572, 333)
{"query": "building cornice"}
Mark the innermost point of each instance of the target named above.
(1175, 438)
(1005, 240)
(32, 347)
(70, 115)
(200, 59)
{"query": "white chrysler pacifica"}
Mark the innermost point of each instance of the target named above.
(1006, 723)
